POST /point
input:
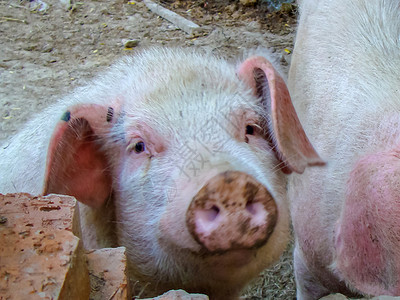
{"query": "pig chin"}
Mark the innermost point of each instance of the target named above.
(229, 260)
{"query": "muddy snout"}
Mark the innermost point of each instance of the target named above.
(232, 211)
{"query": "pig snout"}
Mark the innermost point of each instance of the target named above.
(231, 211)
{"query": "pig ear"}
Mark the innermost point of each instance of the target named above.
(292, 145)
(76, 164)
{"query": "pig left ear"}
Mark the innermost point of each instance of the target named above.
(76, 164)
(293, 146)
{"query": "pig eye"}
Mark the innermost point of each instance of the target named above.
(250, 130)
(139, 147)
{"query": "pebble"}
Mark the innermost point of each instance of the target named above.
(130, 43)
(248, 2)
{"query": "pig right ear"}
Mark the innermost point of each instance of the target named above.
(76, 164)
(292, 145)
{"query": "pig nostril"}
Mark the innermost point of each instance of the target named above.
(208, 215)
(257, 211)
(212, 213)
(206, 220)
(250, 207)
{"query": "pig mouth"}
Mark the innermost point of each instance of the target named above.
(234, 249)
(232, 258)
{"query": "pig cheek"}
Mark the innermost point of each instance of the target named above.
(173, 229)
(367, 234)
(263, 149)
(129, 163)
(129, 171)
(270, 149)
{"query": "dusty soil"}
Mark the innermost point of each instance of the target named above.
(45, 54)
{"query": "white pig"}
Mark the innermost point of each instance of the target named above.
(177, 156)
(345, 85)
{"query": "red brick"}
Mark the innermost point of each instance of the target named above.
(40, 257)
(107, 270)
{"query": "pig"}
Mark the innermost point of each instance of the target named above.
(180, 157)
(344, 81)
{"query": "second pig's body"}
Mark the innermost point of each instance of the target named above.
(344, 81)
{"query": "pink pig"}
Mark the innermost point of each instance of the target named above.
(345, 85)
(177, 156)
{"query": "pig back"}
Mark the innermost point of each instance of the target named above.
(23, 156)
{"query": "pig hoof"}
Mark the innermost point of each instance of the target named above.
(232, 211)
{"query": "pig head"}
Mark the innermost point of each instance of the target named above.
(344, 83)
(180, 157)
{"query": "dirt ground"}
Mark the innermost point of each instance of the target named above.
(46, 54)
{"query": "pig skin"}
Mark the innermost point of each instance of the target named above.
(344, 81)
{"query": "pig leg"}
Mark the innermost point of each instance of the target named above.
(308, 285)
